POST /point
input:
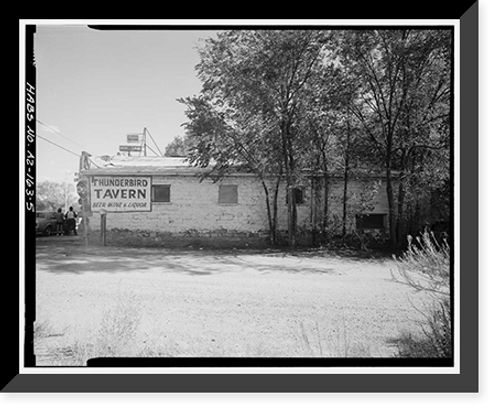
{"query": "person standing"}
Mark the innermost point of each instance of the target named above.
(71, 218)
(59, 222)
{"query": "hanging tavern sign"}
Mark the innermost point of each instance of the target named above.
(120, 194)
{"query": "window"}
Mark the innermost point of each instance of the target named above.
(298, 196)
(228, 194)
(161, 193)
(370, 221)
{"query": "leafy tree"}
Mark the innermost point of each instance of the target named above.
(403, 103)
(255, 84)
(179, 147)
(52, 195)
(226, 144)
(309, 103)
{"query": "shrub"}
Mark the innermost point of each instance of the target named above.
(41, 329)
(115, 337)
(435, 339)
(425, 267)
(118, 328)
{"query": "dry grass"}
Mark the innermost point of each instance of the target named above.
(116, 336)
(332, 343)
(425, 267)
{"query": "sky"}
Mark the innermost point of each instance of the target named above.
(95, 87)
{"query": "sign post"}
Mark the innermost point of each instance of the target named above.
(103, 227)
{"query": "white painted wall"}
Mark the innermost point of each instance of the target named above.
(194, 206)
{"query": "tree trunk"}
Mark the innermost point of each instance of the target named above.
(272, 231)
(344, 206)
(346, 179)
(292, 218)
(315, 213)
(326, 191)
(401, 221)
(289, 170)
(311, 214)
(392, 209)
(275, 207)
(324, 226)
(272, 212)
(390, 191)
(292, 235)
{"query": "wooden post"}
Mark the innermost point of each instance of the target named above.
(86, 208)
(103, 227)
(85, 225)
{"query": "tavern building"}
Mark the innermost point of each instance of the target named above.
(160, 199)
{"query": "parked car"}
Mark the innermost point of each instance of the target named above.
(45, 222)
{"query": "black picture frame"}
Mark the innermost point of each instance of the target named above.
(466, 381)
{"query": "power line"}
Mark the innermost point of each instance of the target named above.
(65, 149)
(159, 150)
(62, 135)
(53, 143)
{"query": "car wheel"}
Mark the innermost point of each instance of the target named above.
(47, 231)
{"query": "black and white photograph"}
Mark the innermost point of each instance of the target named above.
(279, 197)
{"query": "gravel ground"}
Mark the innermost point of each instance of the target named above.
(215, 303)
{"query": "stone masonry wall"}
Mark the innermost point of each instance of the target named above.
(194, 210)
(194, 207)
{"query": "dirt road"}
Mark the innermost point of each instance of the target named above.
(217, 303)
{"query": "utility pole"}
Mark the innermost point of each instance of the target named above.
(83, 188)
(66, 172)
(86, 215)
(65, 193)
